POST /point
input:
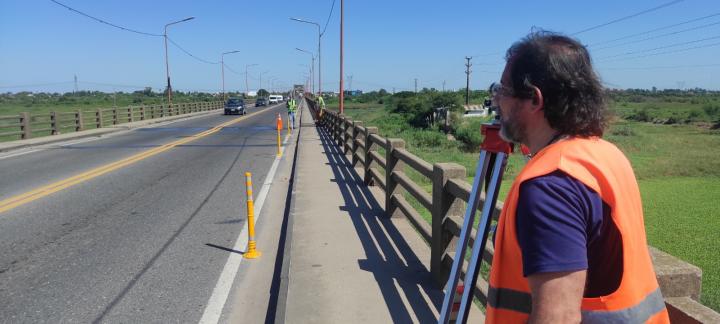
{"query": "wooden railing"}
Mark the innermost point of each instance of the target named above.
(26, 125)
(446, 203)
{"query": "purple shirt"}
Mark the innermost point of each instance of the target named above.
(563, 225)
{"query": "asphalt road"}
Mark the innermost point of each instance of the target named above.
(138, 244)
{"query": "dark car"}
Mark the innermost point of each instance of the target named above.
(261, 102)
(235, 106)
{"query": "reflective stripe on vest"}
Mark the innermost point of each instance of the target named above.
(518, 301)
(651, 305)
(510, 299)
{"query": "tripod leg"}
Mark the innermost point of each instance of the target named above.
(468, 221)
(481, 240)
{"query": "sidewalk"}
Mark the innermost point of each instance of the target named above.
(348, 262)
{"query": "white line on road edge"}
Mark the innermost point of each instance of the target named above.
(220, 293)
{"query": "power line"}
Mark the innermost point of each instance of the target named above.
(666, 52)
(628, 17)
(328, 19)
(35, 85)
(657, 29)
(190, 54)
(661, 47)
(105, 22)
(658, 36)
(664, 67)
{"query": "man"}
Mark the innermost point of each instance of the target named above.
(570, 244)
(292, 107)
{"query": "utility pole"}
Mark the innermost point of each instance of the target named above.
(350, 82)
(443, 85)
(467, 80)
(415, 85)
(76, 87)
(342, 90)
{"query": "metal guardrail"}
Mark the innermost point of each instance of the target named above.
(26, 125)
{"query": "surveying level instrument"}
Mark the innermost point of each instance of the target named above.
(491, 165)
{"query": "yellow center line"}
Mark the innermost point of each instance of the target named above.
(24, 198)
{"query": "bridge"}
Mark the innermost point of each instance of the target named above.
(144, 220)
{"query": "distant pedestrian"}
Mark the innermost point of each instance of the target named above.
(570, 243)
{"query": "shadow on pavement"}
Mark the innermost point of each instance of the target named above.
(401, 276)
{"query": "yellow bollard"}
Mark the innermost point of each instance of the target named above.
(251, 252)
(279, 129)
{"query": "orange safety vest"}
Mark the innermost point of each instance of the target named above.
(602, 167)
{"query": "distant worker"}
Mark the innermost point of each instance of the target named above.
(570, 244)
(320, 102)
(320, 106)
(292, 107)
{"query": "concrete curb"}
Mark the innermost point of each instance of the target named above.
(19, 144)
(281, 306)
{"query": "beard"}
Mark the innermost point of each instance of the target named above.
(512, 129)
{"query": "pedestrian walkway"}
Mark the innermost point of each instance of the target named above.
(348, 262)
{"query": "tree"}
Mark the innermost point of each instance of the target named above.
(263, 93)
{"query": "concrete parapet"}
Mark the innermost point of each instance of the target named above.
(677, 278)
(686, 310)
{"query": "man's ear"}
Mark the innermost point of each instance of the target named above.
(537, 99)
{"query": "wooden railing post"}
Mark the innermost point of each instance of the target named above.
(54, 123)
(393, 164)
(142, 112)
(114, 116)
(444, 205)
(369, 164)
(25, 125)
(353, 142)
(347, 123)
(98, 118)
(130, 114)
(79, 121)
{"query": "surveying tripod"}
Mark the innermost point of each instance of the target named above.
(491, 165)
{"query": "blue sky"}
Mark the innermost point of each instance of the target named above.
(388, 44)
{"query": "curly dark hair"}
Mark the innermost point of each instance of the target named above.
(561, 68)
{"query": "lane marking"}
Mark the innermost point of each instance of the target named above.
(220, 293)
(24, 198)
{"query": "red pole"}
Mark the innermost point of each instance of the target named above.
(342, 90)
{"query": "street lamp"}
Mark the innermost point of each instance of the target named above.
(167, 65)
(342, 90)
(222, 69)
(319, 51)
(312, 67)
(246, 77)
(260, 81)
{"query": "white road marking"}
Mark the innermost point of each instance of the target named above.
(220, 293)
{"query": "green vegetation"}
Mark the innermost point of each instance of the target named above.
(41, 103)
(677, 163)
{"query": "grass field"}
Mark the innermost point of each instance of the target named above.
(677, 166)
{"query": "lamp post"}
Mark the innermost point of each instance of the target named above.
(319, 51)
(222, 71)
(167, 65)
(247, 90)
(260, 81)
(312, 67)
(342, 94)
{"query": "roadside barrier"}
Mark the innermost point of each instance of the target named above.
(679, 281)
(26, 125)
(252, 252)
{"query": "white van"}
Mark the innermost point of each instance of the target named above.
(273, 99)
